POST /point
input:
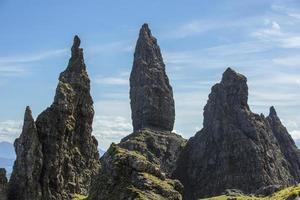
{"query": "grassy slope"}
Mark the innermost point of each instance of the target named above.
(292, 191)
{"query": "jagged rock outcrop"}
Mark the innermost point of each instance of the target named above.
(130, 175)
(158, 147)
(151, 95)
(235, 149)
(139, 167)
(24, 182)
(68, 151)
(3, 184)
(286, 143)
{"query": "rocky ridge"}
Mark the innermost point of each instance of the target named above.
(56, 154)
(236, 148)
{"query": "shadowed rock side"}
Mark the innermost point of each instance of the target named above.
(286, 143)
(3, 184)
(24, 181)
(140, 166)
(235, 149)
(68, 150)
(151, 95)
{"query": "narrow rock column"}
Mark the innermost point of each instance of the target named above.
(24, 182)
(151, 95)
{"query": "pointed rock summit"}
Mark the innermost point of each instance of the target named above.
(24, 181)
(56, 154)
(151, 95)
(286, 143)
(140, 166)
(236, 149)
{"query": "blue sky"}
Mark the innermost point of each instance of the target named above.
(198, 39)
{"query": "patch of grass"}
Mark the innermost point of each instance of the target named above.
(293, 191)
(79, 197)
(155, 180)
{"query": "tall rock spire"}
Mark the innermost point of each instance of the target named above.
(235, 149)
(69, 155)
(139, 167)
(151, 95)
(24, 181)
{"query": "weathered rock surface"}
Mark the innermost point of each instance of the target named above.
(69, 155)
(3, 184)
(129, 175)
(140, 166)
(235, 149)
(286, 143)
(158, 147)
(151, 95)
(24, 181)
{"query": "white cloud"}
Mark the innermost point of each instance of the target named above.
(290, 42)
(10, 130)
(111, 81)
(295, 134)
(272, 29)
(32, 57)
(118, 46)
(291, 61)
(108, 129)
(120, 79)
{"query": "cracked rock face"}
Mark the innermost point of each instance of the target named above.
(235, 149)
(151, 95)
(3, 184)
(67, 155)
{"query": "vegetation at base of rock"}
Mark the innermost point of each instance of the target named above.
(288, 193)
(128, 174)
(79, 197)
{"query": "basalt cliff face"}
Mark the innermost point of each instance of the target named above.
(56, 154)
(236, 148)
(140, 166)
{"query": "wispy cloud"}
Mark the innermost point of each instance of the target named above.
(18, 65)
(32, 57)
(120, 79)
(109, 129)
(10, 130)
